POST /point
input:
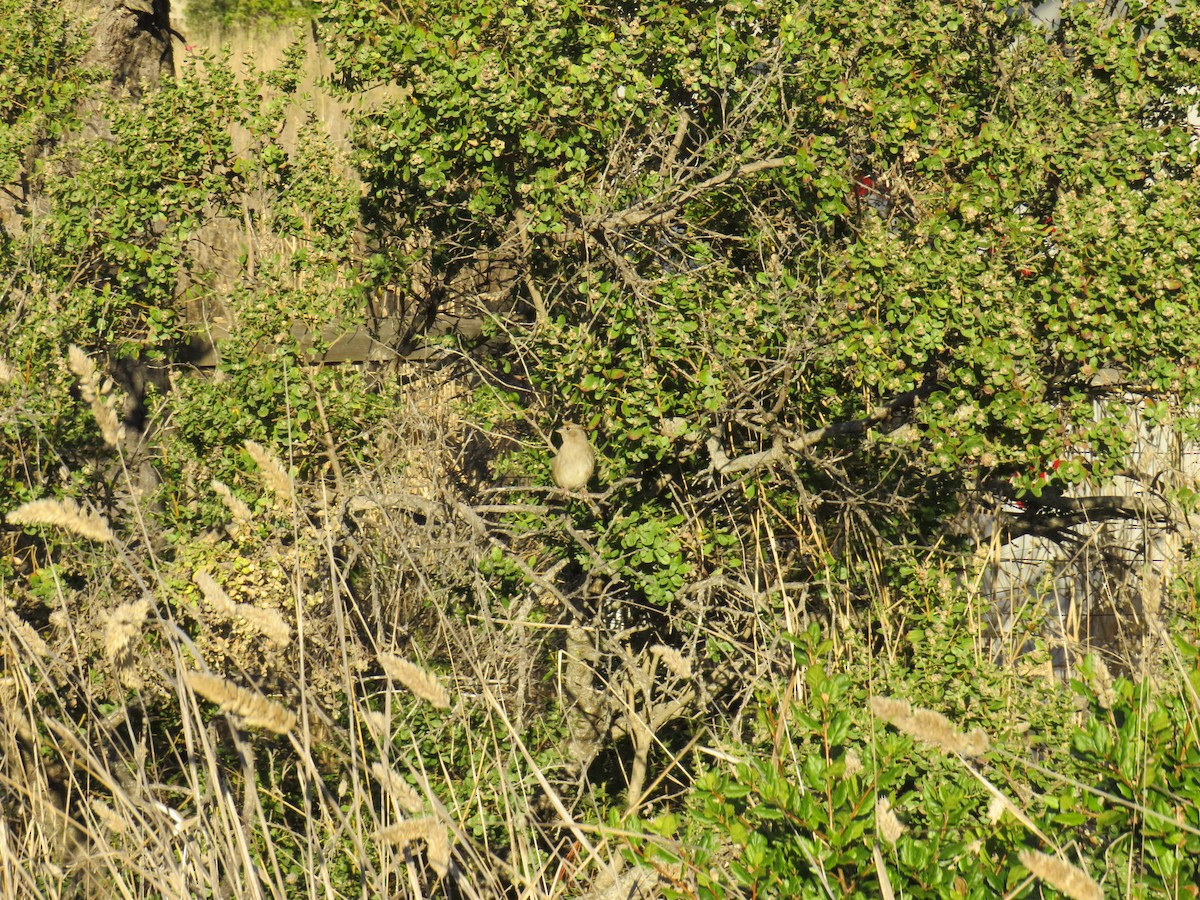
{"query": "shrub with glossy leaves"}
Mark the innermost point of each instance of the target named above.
(882, 251)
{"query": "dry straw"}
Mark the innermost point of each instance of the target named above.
(422, 683)
(1070, 880)
(271, 472)
(255, 710)
(397, 788)
(98, 392)
(7, 373)
(122, 632)
(930, 727)
(65, 514)
(267, 622)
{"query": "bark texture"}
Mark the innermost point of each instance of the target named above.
(131, 39)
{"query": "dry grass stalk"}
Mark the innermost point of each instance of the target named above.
(673, 660)
(255, 710)
(930, 727)
(237, 508)
(887, 824)
(267, 622)
(122, 631)
(422, 683)
(7, 373)
(397, 788)
(1070, 880)
(98, 392)
(272, 473)
(65, 514)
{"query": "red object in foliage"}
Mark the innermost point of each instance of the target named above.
(864, 186)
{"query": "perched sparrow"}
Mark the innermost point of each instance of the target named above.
(573, 465)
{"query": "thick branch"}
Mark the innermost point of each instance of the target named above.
(1052, 517)
(1109, 507)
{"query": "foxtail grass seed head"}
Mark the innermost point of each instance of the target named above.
(673, 660)
(26, 634)
(404, 834)
(98, 392)
(887, 825)
(996, 808)
(1065, 878)
(65, 514)
(107, 817)
(124, 626)
(421, 683)
(376, 721)
(213, 593)
(853, 763)
(397, 788)
(237, 508)
(1102, 684)
(122, 632)
(929, 727)
(255, 710)
(437, 845)
(272, 473)
(267, 622)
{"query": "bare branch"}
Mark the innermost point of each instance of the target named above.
(781, 449)
(663, 208)
(673, 151)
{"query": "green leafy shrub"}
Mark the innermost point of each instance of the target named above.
(41, 86)
(797, 815)
(882, 253)
(809, 276)
(123, 226)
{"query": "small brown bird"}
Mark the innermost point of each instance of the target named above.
(573, 465)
